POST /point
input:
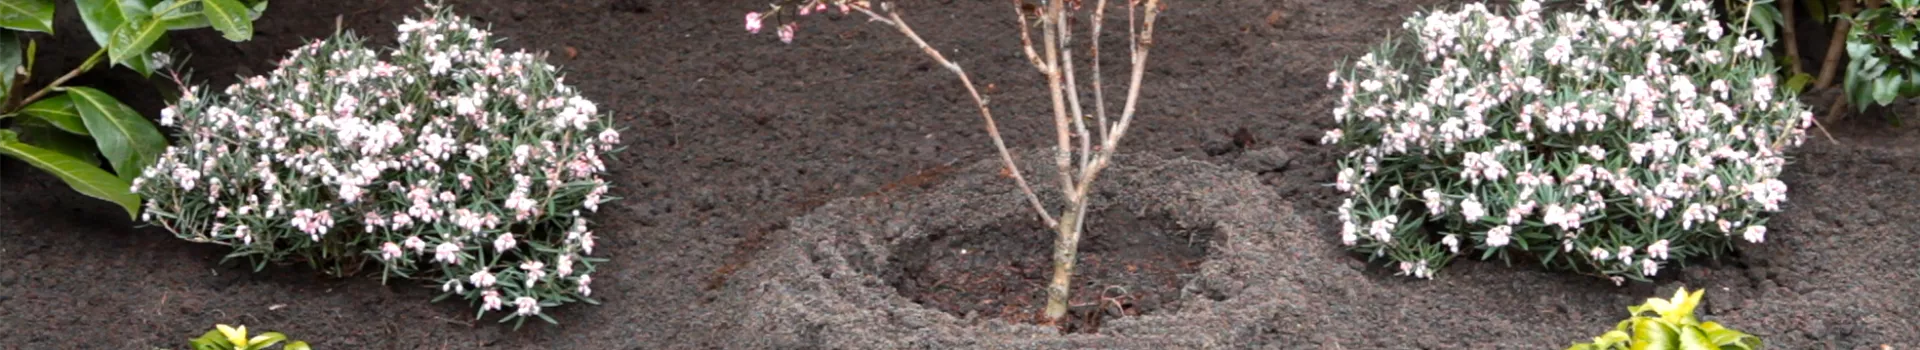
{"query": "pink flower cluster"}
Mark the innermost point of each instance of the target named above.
(431, 153)
(757, 20)
(1649, 121)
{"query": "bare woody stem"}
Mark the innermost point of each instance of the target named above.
(986, 113)
(1835, 47)
(1099, 91)
(1063, 155)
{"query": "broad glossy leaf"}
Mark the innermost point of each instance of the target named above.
(104, 16)
(230, 18)
(59, 111)
(86, 179)
(101, 17)
(297, 345)
(133, 38)
(195, 19)
(40, 134)
(1886, 89)
(27, 15)
(1902, 42)
(129, 141)
(1854, 84)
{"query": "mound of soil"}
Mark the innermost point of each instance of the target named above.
(736, 141)
(872, 272)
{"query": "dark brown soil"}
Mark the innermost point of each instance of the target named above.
(739, 144)
(1128, 266)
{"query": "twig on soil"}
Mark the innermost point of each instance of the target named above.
(469, 324)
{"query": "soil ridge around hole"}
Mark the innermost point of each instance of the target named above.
(816, 287)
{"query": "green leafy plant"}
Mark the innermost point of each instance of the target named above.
(65, 130)
(1669, 324)
(1604, 142)
(442, 158)
(224, 337)
(1883, 44)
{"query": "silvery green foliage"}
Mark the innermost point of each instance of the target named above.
(450, 161)
(1605, 141)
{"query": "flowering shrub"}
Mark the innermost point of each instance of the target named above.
(1608, 143)
(454, 162)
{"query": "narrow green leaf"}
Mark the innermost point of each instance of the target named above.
(230, 18)
(27, 15)
(86, 179)
(265, 340)
(40, 134)
(129, 141)
(59, 111)
(132, 39)
(10, 56)
(1767, 19)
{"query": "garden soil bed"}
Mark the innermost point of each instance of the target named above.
(741, 148)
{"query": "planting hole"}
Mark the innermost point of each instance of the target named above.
(1128, 265)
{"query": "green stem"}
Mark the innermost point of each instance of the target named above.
(85, 66)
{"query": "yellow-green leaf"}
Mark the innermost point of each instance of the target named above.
(58, 110)
(298, 345)
(230, 18)
(1651, 334)
(27, 15)
(86, 179)
(129, 141)
(235, 336)
(265, 340)
(1692, 339)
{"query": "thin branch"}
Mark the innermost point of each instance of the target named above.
(83, 68)
(1063, 158)
(1141, 47)
(1099, 92)
(1073, 89)
(993, 130)
(1026, 38)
